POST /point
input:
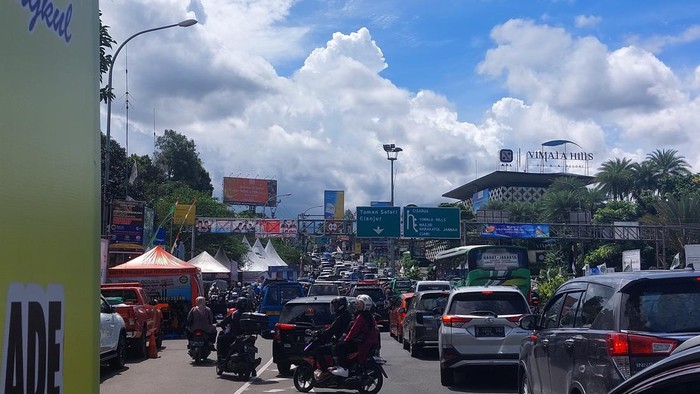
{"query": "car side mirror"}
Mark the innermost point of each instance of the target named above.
(153, 301)
(438, 311)
(528, 322)
(267, 334)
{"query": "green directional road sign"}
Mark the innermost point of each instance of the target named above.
(419, 222)
(378, 222)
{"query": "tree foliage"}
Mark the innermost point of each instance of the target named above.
(179, 160)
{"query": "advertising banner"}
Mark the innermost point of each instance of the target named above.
(263, 228)
(480, 199)
(250, 191)
(505, 230)
(126, 232)
(334, 204)
(50, 198)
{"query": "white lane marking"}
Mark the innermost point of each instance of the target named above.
(274, 391)
(248, 383)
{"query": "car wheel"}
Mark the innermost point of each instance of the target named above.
(120, 358)
(284, 368)
(447, 377)
(524, 385)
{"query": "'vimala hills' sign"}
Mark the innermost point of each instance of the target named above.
(553, 155)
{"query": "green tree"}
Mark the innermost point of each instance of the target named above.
(644, 179)
(616, 210)
(608, 254)
(178, 159)
(118, 169)
(522, 212)
(410, 267)
(106, 41)
(615, 178)
(682, 218)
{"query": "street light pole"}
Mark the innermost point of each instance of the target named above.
(272, 212)
(392, 153)
(105, 181)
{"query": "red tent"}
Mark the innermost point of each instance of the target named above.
(164, 276)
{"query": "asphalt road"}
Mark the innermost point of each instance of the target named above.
(174, 372)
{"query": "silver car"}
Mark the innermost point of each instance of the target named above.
(480, 327)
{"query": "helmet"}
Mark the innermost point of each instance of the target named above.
(339, 304)
(366, 300)
(242, 304)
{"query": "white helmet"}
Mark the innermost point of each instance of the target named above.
(366, 300)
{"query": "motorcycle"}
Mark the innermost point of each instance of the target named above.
(198, 346)
(367, 377)
(240, 359)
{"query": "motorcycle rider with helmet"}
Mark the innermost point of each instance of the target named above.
(363, 335)
(340, 325)
(231, 328)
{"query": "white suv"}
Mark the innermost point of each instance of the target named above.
(480, 327)
(112, 336)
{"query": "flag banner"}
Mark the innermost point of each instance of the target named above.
(134, 174)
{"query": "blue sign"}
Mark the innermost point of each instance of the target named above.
(505, 230)
(378, 222)
(422, 222)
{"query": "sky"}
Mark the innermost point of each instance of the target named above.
(307, 92)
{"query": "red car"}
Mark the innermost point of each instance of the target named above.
(397, 315)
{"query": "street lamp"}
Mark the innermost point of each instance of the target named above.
(303, 215)
(272, 211)
(392, 153)
(105, 181)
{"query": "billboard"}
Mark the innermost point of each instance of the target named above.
(334, 204)
(505, 230)
(250, 191)
(126, 231)
(50, 199)
(184, 214)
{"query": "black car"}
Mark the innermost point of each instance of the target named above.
(676, 374)
(597, 331)
(297, 316)
(420, 326)
(381, 304)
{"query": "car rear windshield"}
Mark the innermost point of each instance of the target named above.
(376, 293)
(428, 302)
(403, 284)
(318, 314)
(500, 303)
(323, 290)
(427, 287)
(127, 296)
(669, 305)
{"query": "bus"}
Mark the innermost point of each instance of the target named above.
(481, 265)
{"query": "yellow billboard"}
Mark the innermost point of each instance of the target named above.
(50, 172)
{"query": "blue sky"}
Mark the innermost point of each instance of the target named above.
(306, 92)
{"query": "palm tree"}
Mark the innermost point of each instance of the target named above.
(682, 218)
(643, 178)
(666, 162)
(615, 177)
(556, 205)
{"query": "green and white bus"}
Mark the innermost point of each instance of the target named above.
(482, 265)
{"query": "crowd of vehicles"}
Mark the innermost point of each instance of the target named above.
(594, 334)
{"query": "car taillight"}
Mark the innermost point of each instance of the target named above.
(514, 319)
(487, 292)
(279, 327)
(622, 345)
(198, 334)
(454, 321)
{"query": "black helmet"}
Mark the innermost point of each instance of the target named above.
(339, 304)
(242, 304)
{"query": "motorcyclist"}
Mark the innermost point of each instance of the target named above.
(362, 336)
(200, 317)
(340, 325)
(231, 328)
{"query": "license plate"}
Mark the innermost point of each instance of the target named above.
(490, 331)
